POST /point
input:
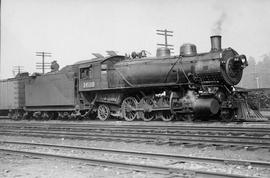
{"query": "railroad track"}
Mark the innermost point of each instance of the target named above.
(136, 166)
(146, 154)
(190, 140)
(137, 133)
(146, 128)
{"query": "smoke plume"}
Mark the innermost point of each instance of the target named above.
(217, 28)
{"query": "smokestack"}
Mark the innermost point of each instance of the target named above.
(215, 43)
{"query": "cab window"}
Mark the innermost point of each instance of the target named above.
(86, 73)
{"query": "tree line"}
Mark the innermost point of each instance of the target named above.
(256, 74)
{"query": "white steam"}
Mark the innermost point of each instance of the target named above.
(190, 97)
(217, 28)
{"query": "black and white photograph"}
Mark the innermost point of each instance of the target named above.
(135, 89)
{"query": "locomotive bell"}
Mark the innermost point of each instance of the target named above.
(188, 49)
(215, 43)
(163, 52)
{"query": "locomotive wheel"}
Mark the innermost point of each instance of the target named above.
(147, 103)
(128, 106)
(188, 117)
(227, 116)
(166, 116)
(103, 112)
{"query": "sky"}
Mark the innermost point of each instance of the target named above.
(74, 29)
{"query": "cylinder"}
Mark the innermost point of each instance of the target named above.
(206, 106)
(215, 43)
(163, 52)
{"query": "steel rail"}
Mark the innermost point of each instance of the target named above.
(144, 130)
(167, 135)
(125, 137)
(146, 124)
(132, 166)
(180, 127)
(155, 155)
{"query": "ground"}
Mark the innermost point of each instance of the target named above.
(12, 166)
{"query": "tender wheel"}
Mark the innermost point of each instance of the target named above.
(37, 115)
(103, 112)
(52, 115)
(128, 106)
(26, 116)
(68, 116)
(45, 116)
(147, 103)
(15, 116)
(166, 116)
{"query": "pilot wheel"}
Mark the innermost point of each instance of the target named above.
(103, 112)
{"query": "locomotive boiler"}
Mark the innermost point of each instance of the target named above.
(223, 66)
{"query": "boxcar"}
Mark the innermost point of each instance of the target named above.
(12, 95)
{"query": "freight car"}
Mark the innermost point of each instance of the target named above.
(12, 96)
(185, 86)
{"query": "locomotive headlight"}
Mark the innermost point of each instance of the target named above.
(244, 61)
(239, 62)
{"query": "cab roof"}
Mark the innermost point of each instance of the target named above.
(100, 60)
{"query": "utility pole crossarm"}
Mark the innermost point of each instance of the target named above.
(165, 33)
(165, 30)
(17, 70)
(43, 64)
(164, 45)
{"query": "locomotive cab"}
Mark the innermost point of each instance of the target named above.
(89, 76)
(97, 74)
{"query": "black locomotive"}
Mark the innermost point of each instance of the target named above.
(185, 86)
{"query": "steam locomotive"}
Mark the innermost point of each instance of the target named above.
(187, 86)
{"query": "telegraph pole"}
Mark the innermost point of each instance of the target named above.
(17, 70)
(0, 37)
(256, 76)
(43, 65)
(165, 33)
